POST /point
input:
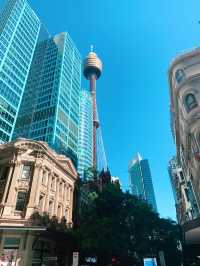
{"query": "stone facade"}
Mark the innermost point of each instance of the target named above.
(34, 178)
(184, 80)
(184, 84)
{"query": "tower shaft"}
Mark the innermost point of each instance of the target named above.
(92, 68)
(95, 119)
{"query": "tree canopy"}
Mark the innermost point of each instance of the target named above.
(120, 229)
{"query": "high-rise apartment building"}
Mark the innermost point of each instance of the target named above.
(19, 30)
(141, 181)
(85, 145)
(50, 106)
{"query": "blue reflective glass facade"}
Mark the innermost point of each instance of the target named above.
(85, 146)
(50, 106)
(19, 30)
(141, 181)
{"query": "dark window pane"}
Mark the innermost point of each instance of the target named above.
(21, 200)
(26, 172)
(179, 75)
(4, 172)
(190, 102)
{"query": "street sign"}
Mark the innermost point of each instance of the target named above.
(91, 259)
(50, 259)
(75, 258)
(43, 259)
(150, 262)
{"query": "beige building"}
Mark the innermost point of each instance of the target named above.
(184, 82)
(33, 178)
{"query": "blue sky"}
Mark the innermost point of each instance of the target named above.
(136, 40)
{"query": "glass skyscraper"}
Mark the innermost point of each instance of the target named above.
(141, 181)
(85, 146)
(19, 30)
(50, 106)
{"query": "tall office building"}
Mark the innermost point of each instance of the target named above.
(19, 30)
(50, 106)
(141, 181)
(85, 146)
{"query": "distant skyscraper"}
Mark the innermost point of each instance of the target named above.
(19, 30)
(85, 146)
(141, 181)
(50, 106)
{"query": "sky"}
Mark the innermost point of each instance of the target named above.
(136, 40)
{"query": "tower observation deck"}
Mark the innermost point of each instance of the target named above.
(92, 68)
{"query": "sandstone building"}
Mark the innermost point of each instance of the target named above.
(33, 178)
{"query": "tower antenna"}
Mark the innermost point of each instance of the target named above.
(91, 48)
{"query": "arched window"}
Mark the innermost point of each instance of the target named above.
(180, 75)
(190, 102)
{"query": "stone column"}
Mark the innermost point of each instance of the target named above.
(62, 191)
(49, 180)
(38, 188)
(56, 196)
(65, 195)
(68, 193)
(34, 188)
(12, 165)
(10, 202)
(71, 204)
(45, 178)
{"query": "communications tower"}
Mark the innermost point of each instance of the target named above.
(92, 68)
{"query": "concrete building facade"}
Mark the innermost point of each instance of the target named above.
(33, 178)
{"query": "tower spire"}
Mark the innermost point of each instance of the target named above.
(91, 48)
(92, 68)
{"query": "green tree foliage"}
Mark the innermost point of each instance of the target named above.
(51, 223)
(118, 227)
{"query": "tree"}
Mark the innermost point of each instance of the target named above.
(90, 173)
(121, 229)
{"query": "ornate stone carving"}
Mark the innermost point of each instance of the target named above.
(23, 184)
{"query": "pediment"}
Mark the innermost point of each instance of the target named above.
(71, 167)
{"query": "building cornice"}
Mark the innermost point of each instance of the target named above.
(21, 144)
(184, 56)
